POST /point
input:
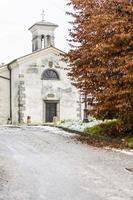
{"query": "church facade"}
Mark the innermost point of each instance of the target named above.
(36, 86)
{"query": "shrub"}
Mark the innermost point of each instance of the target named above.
(94, 130)
(110, 128)
(129, 142)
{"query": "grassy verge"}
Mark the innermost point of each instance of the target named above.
(110, 127)
(108, 133)
(129, 142)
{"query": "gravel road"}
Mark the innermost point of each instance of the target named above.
(45, 163)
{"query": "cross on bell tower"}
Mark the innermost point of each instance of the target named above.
(43, 15)
(42, 34)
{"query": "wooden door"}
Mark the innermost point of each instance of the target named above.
(51, 111)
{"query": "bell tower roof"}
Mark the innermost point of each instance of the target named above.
(42, 34)
(43, 24)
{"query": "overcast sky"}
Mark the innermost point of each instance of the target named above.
(16, 16)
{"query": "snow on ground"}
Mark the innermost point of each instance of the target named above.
(78, 125)
(124, 151)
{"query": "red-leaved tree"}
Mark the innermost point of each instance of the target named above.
(101, 60)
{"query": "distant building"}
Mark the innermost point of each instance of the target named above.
(36, 85)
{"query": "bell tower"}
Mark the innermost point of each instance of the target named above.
(42, 34)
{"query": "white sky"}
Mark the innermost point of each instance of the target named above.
(16, 16)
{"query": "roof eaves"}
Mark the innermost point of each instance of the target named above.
(55, 25)
(35, 52)
(17, 59)
(12, 61)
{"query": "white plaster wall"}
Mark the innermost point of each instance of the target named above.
(43, 31)
(37, 90)
(4, 96)
(15, 81)
(34, 103)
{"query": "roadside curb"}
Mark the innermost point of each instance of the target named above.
(71, 130)
(99, 139)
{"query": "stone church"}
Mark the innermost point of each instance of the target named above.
(36, 86)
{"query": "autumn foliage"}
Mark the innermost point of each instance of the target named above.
(101, 56)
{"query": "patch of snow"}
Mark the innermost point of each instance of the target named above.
(124, 151)
(78, 125)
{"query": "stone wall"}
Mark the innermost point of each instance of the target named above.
(21, 99)
(15, 93)
(4, 96)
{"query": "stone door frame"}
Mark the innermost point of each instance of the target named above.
(44, 108)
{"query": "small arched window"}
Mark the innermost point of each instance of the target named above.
(48, 40)
(43, 41)
(50, 74)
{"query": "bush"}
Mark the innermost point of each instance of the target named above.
(109, 128)
(94, 130)
(129, 142)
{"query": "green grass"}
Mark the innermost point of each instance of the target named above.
(129, 141)
(94, 130)
(102, 128)
(111, 130)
